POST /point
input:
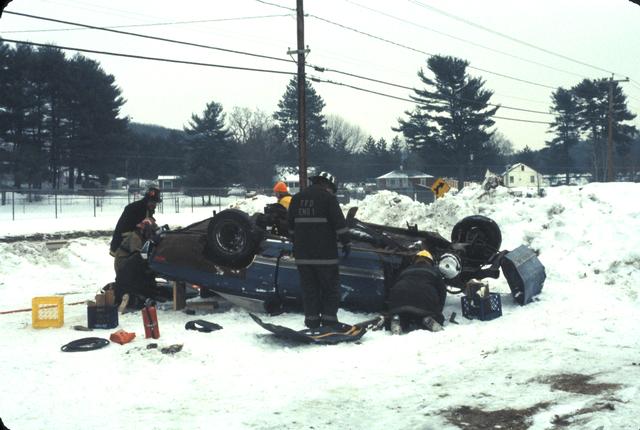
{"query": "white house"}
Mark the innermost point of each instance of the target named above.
(404, 179)
(169, 181)
(119, 183)
(521, 175)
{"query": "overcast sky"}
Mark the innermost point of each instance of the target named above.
(603, 34)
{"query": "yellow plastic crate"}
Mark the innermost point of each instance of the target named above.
(47, 311)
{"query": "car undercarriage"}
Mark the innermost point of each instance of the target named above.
(246, 260)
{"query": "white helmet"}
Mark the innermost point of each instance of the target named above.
(325, 176)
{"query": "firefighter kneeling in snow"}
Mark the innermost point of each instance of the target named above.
(417, 298)
(135, 282)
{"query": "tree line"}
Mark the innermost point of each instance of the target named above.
(56, 113)
(60, 118)
(582, 116)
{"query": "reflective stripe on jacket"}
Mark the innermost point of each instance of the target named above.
(316, 221)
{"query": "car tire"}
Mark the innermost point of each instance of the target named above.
(232, 239)
(482, 230)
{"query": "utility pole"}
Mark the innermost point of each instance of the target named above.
(302, 131)
(610, 176)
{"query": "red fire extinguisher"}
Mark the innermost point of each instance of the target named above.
(150, 320)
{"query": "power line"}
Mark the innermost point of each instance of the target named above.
(142, 57)
(633, 98)
(327, 81)
(323, 69)
(635, 83)
(101, 9)
(144, 36)
(382, 39)
(316, 79)
(201, 21)
(226, 50)
(522, 98)
(425, 52)
(276, 5)
(465, 40)
(226, 67)
(506, 36)
(223, 66)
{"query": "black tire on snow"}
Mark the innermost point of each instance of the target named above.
(232, 240)
(481, 230)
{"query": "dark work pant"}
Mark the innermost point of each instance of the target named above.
(320, 291)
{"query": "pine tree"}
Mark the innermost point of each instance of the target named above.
(395, 153)
(212, 158)
(566, 127)
(527, 156)
(57, 113)
(94, 129)
(451, 118)
(593, 101)
(318, 150)
(22, 113)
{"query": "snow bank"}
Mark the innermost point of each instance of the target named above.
(580, 233)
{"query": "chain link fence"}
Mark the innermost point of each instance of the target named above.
(16, 204)
(21, 204)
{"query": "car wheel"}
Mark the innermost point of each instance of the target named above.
(232, 239)
(480, 231)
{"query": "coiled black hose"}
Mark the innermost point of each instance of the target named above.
(85, 344)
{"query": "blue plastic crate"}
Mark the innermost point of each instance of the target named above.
(483, 309)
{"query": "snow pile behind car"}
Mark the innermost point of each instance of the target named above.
(581, 233)
(253, 204)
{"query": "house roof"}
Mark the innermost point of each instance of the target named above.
(517, 165)
(400, 174)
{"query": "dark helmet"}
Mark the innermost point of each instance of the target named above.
(153, 195)
(325, 178)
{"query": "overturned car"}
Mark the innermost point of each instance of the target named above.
(246, 260)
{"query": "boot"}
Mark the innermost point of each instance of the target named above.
(431, 324)
(312, 322)
(396, 326)
(329, 321)
(124, 303)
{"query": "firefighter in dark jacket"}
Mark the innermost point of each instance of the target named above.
(133, 214)
(316, 223)
(417, 297)
(135, 282)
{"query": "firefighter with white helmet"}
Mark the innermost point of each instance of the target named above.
(316, 222)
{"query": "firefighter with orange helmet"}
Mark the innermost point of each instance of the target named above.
(282, 194)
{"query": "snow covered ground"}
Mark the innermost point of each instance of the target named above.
(571, 359)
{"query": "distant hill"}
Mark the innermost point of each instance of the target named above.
(153, 130)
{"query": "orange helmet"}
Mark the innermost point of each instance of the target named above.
(280, 187)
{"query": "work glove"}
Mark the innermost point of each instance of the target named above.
(346, 249)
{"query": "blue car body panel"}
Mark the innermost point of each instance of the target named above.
(273, 277)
